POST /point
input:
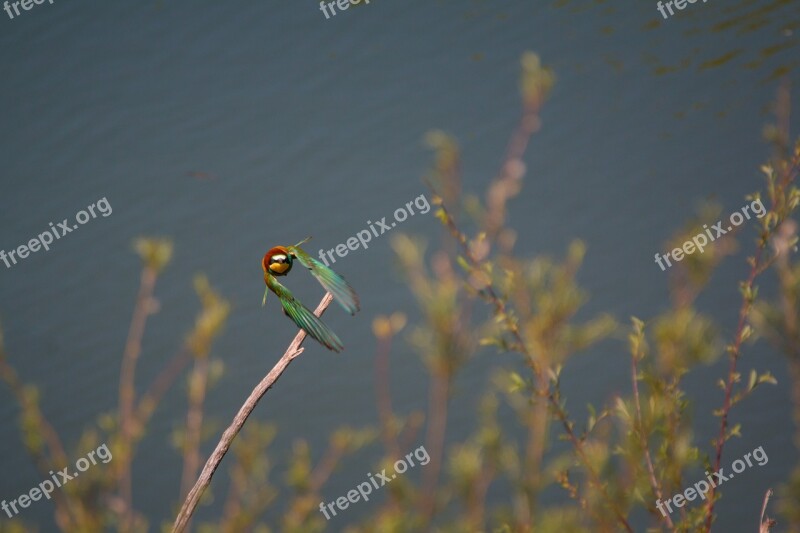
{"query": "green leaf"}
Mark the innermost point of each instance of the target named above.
(517, 383)
(767, 378)
(463, 263)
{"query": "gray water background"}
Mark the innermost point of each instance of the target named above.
(312, 127)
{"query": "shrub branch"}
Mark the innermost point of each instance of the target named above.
(192, 499)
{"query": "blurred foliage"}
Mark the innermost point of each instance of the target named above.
(529, 463)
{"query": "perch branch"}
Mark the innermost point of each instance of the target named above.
(192, 499)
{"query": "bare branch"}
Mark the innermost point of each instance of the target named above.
(766, 525)
(294, 349)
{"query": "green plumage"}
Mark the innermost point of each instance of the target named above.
(303, 317)
(278, 262)
(330, 280)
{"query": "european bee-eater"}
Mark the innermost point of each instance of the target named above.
(278, 262)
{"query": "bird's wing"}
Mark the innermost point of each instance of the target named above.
(305, 319)
(330, 280)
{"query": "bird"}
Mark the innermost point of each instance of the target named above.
(278, 262)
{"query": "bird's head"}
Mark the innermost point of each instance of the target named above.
(277, 261)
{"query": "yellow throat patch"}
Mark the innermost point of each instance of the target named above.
(280, 268)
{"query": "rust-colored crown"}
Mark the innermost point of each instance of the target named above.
(277, 269)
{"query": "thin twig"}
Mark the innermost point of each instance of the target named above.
(384, 397)
(558, 410)
(734, 355)
(438, 393)
(127, 393)
(45, 462)
(153, 396)
(247, 408)
(735, 350)
(765, 525)
(325, 467)
(643, 437)
(198, 383)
